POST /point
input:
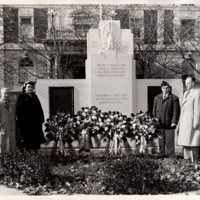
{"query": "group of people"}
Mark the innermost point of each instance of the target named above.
(26, 116)
(184, 119)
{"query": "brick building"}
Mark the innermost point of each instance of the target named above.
(49, 41)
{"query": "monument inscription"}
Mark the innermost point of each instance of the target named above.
(110, 70)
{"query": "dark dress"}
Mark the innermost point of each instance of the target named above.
(30, 118)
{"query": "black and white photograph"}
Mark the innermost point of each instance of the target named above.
(99, 99)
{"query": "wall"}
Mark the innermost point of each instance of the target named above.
(80, 92)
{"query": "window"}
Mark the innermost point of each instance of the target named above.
(188, 66)
(26, 28)
(168, 27)
(73, 66)
(187, 29)
(10, 25)
(123, 16)
(25, 21)
(40, 24)
(150, 26)
(82, 22)
(136, 25)
(26, 70)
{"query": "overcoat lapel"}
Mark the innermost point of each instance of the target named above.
(187, 97)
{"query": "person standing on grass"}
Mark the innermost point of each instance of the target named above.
(189, 124)
(30, 118)
(167, 109)
(7, 123)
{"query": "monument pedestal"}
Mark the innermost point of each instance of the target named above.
(110, 72)
(111, 82)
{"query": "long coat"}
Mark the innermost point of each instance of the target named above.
(7, 127)
(190, 115)
(30, 118)
(167, 110)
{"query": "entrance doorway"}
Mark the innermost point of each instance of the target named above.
(61, 99)
(152, 92)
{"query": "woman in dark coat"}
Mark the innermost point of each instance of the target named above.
(30, 118)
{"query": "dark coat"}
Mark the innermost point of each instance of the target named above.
(167, 111)
(30, 118)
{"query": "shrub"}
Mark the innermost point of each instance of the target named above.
(38, 173)
(24, 168)
(132, 175)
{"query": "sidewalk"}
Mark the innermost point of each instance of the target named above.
(10, 191)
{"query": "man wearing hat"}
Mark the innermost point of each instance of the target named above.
(167, 109)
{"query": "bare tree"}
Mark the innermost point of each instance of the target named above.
(163, 49)
(56, 52)
(159, 44)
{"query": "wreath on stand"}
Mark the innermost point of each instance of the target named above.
(112, 126)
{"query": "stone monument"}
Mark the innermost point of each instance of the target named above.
(110, 68)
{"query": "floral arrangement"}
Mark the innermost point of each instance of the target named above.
(90, 122)
(144, 125)
(144, 129)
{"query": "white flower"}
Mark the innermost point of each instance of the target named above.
(86, 121)
(123, 126)
(141, 126)
(108, 120)
(67, 184)
(134, 126)
(86, 110)
(78, 117)
(101, 123)
(94, 111)
(83, 132)
(96, 128)
(120, 118)
(84, 114)
(94, 117)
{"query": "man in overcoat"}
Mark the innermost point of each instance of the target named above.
(189, 124)
(7, 123)
(167, 109)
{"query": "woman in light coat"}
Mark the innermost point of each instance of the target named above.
(7, 123)
(189, 124)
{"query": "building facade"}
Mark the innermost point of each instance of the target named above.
(49, 41)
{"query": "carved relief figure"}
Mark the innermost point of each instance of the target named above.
(110, 41)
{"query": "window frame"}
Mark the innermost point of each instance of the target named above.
(187, 36)
(30, 35)
(24, 64)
